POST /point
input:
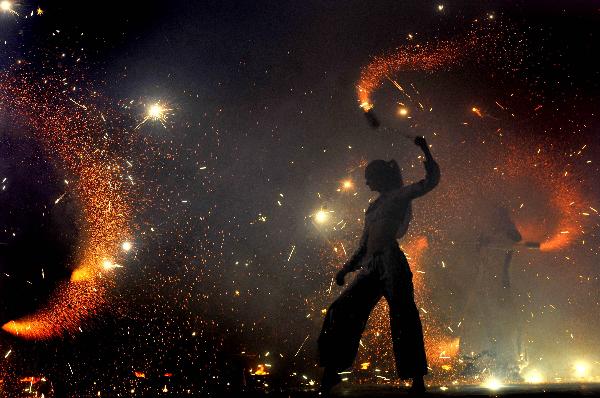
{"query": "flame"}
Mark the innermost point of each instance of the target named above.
(261, 370)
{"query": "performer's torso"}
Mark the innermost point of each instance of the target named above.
(383, 220)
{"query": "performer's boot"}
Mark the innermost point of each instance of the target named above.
(418, 386)
(330, 379)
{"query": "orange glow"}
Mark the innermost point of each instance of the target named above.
(261, 370)
(425, 57)
(31, 379)
(347, 184)
(563, 199)
(140, 375)
(66, 132)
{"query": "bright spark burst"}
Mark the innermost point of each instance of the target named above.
(582, 369)
(321, 216)
(492, 384)
(347, 185)
(126, 246)
(156, 112)
(534, 376)
(109, 265)
(7, 6)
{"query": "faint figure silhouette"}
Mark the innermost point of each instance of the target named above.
(384, 271)
(491, 319)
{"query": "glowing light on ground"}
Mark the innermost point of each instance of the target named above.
(534, 376)
(582, 369)
(492, 384)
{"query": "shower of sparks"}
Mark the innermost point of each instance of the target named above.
(538, 184)
(426, 57)
(67, 132)
(507, 170)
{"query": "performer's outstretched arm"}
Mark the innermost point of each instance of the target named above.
(432, 176)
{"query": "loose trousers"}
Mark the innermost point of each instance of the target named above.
(387, 274)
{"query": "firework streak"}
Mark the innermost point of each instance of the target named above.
(75, 133)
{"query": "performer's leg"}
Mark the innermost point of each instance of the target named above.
(407, 331)
(345, 321)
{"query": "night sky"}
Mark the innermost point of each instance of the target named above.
(259, 126)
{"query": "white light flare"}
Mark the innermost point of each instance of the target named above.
(126, 246)
(109, 265)
(582, 369)
(534, 376)
(321, 216)
(492, 384)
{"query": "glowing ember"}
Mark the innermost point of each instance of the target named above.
(321, 216)
(156, 112)
(347, 184)
(261, 370)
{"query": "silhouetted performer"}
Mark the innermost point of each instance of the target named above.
(491, 319)
(384, 271)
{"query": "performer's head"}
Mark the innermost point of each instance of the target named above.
(383, 176)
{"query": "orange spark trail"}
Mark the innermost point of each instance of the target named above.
(70, 135)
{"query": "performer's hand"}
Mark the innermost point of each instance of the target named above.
(340, 276)
(420, 142)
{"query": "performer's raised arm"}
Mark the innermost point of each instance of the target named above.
(432, 176)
